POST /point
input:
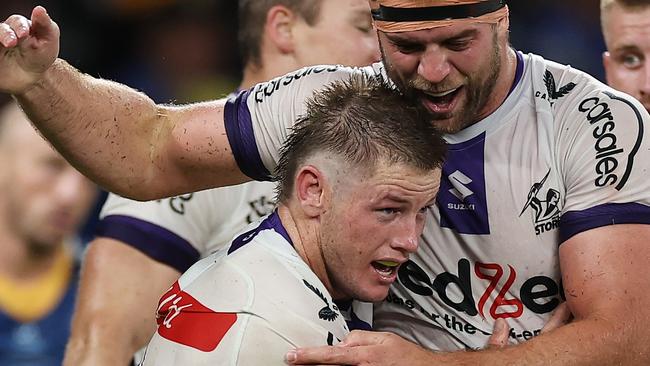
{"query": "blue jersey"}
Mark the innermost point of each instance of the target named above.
(41, 342)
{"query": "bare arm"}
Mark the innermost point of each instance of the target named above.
(116, 304)
(606, 279)
(115, 135)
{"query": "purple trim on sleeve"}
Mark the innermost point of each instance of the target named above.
(239, 129)
(154, 241)
(575, 222)
(271, 222)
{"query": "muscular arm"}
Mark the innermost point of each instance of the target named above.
(115, 135)
(116, 305)
(606, 280)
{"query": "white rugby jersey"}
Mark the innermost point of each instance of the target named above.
(563, 154)
(178, 231)
(247, 305)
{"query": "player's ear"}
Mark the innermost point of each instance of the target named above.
(279, 28)
(310, 186)
(607, 64)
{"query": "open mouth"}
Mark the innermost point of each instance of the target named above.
(386, 269)
(442, 102)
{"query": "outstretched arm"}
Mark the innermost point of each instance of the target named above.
(116, 304)
(606, 279)
(115, 135)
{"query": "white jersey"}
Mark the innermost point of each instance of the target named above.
(563, 154)
(247, 305)
(178, 231)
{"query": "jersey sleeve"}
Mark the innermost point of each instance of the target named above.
(258, 120)
(173, 231)
(605, 150)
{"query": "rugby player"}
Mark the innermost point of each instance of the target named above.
(626, 29)
(355, 180)
(143, 247)
(543, 194)
(43, 202)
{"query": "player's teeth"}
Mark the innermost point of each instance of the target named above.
(437, 95)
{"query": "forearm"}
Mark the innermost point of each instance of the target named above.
(115, 312)
(587, 342)
(126, 143)
(105, 129)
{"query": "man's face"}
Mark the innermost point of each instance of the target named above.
(372, 226)
(343, 34)
(451, 70)
(627, 34)
(45, 198)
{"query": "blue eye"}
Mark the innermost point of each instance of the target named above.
(631, 61)
(388, 210)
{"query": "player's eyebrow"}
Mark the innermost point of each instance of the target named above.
(626, 48)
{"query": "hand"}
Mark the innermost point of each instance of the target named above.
(561, 316)
(379, 349)
(364, 349)
(28, 47)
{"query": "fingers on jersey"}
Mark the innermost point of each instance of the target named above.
(326, 355)
(500, 333)
(364, 338)
(561, 315)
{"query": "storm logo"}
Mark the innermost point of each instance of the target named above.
(545, 206)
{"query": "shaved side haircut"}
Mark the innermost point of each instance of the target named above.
(362, 122)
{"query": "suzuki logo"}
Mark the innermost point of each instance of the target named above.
(459, 181)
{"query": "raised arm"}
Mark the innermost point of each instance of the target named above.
(115, 135)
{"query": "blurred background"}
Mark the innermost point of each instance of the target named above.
(186, 50)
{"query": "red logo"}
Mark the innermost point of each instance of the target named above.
(182, 319)
(501, 297)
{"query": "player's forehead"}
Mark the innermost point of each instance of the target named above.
(398, 182)
(451, 31)
(627, 27)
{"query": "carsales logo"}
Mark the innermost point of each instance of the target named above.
(540, 294)
(182, 319)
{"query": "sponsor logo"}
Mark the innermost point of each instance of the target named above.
(327, 313)
(609, 154)
(177, 204)
(259, 208)
(545, 206)
(459, 182)
(552, 92)
(267, 89)
(183, 319)
(539, 294)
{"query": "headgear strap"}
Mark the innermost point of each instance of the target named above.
(410, 15)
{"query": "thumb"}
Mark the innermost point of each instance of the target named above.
(42, 24)
(500, 333)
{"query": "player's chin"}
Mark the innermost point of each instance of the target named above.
(372, 293)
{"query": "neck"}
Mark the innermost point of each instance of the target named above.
(504, 82)
(304, 233)
(269, 68)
